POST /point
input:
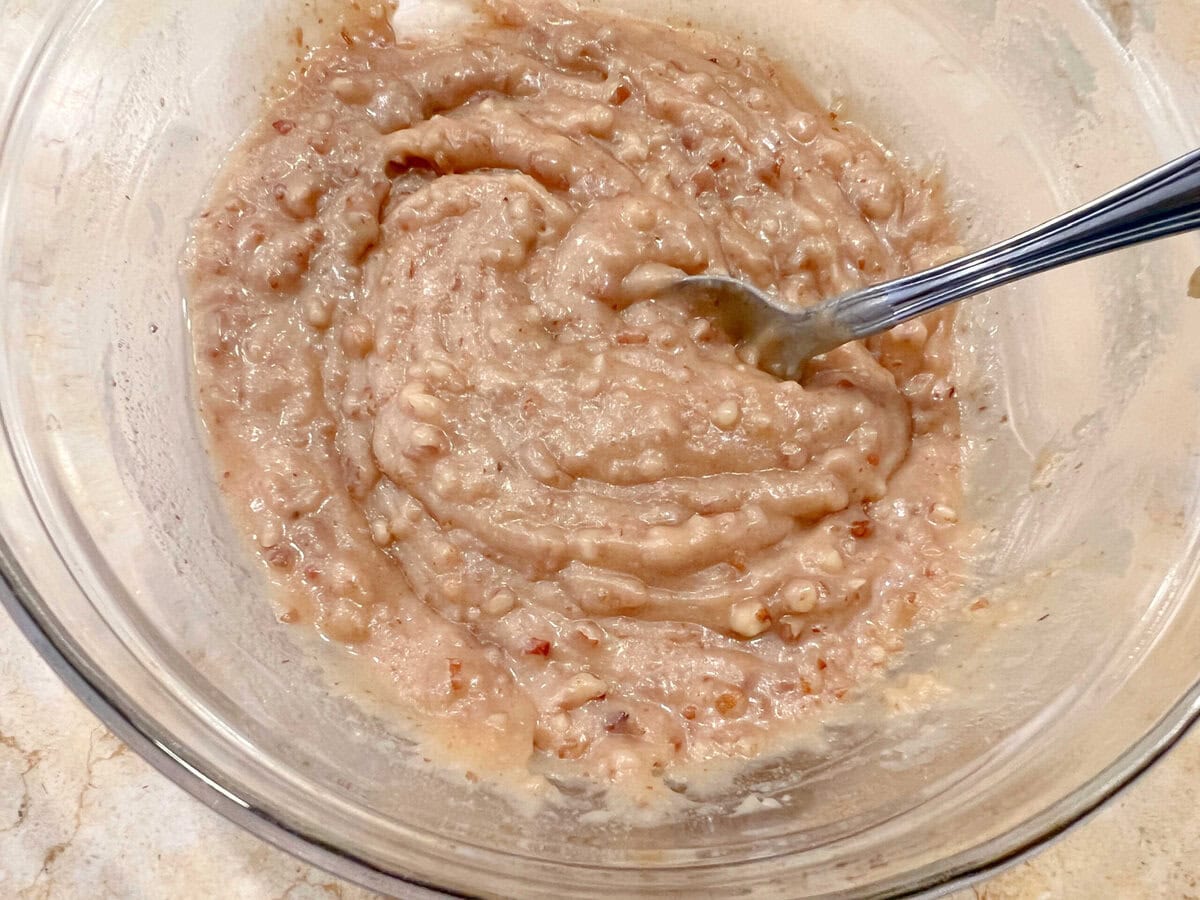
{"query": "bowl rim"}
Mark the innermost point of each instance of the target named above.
(182, 768)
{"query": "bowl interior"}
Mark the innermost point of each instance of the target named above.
(1080, 393)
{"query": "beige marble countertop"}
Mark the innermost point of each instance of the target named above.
(83, 816)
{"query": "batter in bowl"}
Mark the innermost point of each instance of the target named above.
(472, 441)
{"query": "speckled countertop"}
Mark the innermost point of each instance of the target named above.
(83, 816)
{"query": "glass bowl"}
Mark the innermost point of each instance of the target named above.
(1003, 725)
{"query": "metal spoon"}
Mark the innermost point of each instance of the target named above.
(1160, 203)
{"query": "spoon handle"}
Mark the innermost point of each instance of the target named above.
(1160, 203)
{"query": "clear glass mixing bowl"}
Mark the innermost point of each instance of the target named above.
(1083, 397)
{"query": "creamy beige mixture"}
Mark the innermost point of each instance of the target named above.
(471, 442)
